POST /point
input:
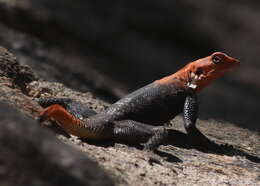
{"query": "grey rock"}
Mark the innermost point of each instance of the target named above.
(31, 155)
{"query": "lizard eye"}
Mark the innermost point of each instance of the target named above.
(216, 59)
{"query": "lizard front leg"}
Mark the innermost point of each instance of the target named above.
(190, 112)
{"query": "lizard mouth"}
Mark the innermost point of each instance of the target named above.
(194, 78)
(200, 78)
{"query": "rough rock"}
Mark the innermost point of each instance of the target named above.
(9, 67)
(178, 162)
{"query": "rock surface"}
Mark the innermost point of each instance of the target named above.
(46, 161)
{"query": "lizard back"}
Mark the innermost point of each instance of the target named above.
(153, 104)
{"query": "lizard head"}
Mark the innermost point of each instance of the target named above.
(203, 71)
(200, 73)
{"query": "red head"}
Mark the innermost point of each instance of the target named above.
(203, 71)
(200, 73)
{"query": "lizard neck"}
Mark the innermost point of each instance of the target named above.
(180, 78)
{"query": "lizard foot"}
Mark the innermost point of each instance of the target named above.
(160, 134)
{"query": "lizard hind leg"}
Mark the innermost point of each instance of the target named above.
(66, 120)
(45, 102)
(56, 112)
(75, 108)
(137, 132)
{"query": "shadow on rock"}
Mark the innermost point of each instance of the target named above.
(195, 140)
(168, 157)
(200, 142)
(101, 143)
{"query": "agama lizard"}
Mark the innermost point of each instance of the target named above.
(139, 116)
